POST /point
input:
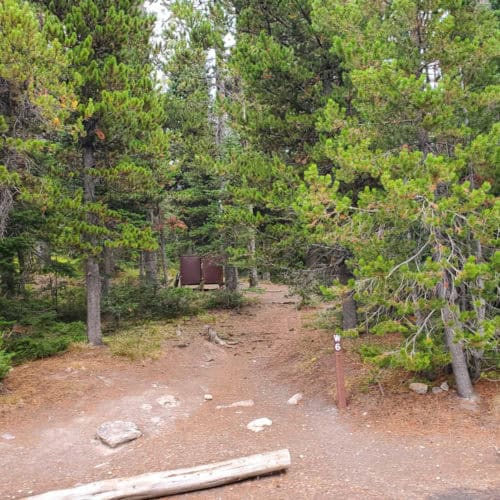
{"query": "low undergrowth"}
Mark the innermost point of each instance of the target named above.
(137, 342)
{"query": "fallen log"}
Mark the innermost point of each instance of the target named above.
(159, 484)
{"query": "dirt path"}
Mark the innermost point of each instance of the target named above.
(48, 440)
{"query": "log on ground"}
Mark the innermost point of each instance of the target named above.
(158, 484)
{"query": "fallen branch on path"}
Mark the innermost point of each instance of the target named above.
(212, 336)
(159, 484)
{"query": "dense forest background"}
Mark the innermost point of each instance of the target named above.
(349, 148)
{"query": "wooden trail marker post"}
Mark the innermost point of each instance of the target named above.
(339, 372)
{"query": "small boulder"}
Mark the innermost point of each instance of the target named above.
(259, 424)
(8, 436)
(419, 388)
(294, 400)
(444, 386)
(168, 401)
(208, 397)
(117, 432)
(437, 390)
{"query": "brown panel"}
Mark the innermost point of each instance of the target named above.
(212, 273)
(190, 270)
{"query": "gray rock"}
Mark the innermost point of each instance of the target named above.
(419, 388)
(168, 401)
(259, 424)
(117, 432)
(437, 390)
(444, 386)
(294, 400)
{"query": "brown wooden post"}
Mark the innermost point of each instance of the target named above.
(340, 372)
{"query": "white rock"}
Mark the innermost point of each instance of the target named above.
(444, 386)
(117, 432)
(437, 390)
(259, 424)
(168, 401)
(208, 397)
(295, 399)
(419, 388)
(246, 403)
(156, 420)
(146, 407)
(8, 436)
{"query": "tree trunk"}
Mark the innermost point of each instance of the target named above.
(163, 250)
(150, 259)
(92, 275)
(451, 326)
(231, 275)
(349, 312)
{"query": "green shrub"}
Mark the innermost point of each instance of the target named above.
(26, 311)
(5, 364)
(174, 302)
(36, 345)
(71, 304)
(25, 348)
(126, 301)
(223, 299)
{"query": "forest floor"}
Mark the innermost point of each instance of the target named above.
(390, 443)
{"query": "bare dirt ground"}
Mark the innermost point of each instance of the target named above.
(400, 445)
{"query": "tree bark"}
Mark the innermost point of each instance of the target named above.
(451, 326)
(162, 484)
(150, 259)
(231, 275)
(164, 262)
(349, 312)
(92, 275)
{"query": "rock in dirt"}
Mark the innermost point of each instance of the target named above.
(419, 388)
(168, 401)
(146, 407)
(117, 432)
(444, 386)
(208, 397)
(246, 403)
(294, 400)
(437, 390)
(8, 436)
(259, 424)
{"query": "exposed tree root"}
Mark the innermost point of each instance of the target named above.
(212, 336)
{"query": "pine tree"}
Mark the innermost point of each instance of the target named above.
(119, 113)
(421, 131)
(33, 106)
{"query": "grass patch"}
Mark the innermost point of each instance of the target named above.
(140, 342)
